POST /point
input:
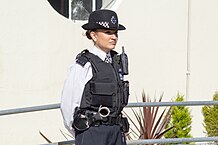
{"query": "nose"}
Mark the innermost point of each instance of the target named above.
(114, 35)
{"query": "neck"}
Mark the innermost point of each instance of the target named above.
(105, 50)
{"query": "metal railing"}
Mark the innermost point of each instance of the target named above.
(152, 141)
(139, 104)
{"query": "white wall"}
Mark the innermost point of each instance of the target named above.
(204, 50)
(37, 45)
(156, 38)
(156, 41)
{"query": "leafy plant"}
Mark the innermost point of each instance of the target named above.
(210, 114)
(48, 140)
(149, 125)
(181, 120)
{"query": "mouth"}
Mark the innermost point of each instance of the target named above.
(113, 43)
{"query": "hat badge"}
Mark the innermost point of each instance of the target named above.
(113, 20)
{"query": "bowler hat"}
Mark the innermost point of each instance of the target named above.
(103, 19)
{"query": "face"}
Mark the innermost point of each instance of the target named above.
(105, 39)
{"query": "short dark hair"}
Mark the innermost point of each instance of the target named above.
(88, 33)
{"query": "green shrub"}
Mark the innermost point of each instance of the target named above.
(180, 120)
(210, 114)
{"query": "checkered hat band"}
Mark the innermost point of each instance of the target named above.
(104, 24)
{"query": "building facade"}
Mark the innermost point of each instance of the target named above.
(37, 44)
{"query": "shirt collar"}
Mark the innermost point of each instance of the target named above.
(100, 53)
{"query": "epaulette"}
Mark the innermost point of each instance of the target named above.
(81, 58)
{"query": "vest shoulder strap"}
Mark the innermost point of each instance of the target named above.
(81, 58)
(85, 56)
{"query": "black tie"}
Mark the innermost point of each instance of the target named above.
(108, 58)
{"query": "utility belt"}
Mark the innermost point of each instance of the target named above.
(84, 119)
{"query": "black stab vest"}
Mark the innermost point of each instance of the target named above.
(105, 89)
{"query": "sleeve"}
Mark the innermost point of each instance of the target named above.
(72, 91)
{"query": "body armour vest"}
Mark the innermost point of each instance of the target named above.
(105, 89)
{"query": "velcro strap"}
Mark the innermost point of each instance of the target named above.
(102, 100)
(103, 88)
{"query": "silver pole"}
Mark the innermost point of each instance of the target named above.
(138, 104)
(153, 141)
(93, 5)
(70, 8)
(188, 49)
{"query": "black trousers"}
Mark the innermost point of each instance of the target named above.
(101, 135)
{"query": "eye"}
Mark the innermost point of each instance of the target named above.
(110, 32)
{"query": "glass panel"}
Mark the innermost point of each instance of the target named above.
(108, 3)
(81, 9)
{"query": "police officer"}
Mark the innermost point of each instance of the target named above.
(95, 92)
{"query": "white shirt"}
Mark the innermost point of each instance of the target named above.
(73, 88)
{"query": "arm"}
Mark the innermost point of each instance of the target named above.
(73, 88)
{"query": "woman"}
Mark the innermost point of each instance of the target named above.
(94, 92)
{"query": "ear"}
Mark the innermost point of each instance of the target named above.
(93, 35)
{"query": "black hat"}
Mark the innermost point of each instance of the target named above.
(103, 19)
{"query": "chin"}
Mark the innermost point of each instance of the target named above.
(112, 47)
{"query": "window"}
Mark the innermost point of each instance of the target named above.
(79, 9)
(61, 6)
(82, 8)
